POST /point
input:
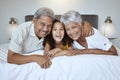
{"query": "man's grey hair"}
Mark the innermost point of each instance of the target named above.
(46, 12)
(71, 16)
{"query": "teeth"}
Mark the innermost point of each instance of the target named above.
(43, 32)
(58, 36)
(73, 35)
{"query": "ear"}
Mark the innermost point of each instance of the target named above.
(34, 20)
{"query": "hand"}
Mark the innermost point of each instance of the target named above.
(64, 53)
(71, 52)
(87, 29)
(43, 61)
(52, 52)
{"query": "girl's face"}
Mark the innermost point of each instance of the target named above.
(73, 30)
(58, 32)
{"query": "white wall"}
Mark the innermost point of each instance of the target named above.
(20, 8)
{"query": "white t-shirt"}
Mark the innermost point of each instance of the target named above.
(24, 40)
(95, 41)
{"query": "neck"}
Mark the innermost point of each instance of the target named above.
(58, 44)
(82, 42)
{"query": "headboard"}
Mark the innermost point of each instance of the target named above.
(92, 19)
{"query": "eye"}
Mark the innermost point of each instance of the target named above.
(42, 24)
(73, 27)
(54, 29)
(49, 25)
(61, 29)
(67, 29)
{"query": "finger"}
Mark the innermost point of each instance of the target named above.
(49, 54)
(41, 64)
(87, 33)
(82, 31)
(47, 62)
(92, 32)
(52, 55)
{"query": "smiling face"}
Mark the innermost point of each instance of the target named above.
(58, 32)
(73, 30)
(42, 26)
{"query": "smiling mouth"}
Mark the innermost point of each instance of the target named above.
(74, 35)
(58, 36)
(43, 32)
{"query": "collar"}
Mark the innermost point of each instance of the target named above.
(32, 32)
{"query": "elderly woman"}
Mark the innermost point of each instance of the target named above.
(94, 44)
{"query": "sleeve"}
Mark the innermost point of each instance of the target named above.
(16, 41)
(99, 41)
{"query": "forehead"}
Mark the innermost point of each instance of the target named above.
(45, 19)
(71, 24)
(57, 24)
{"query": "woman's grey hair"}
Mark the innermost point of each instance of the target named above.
(44, 11)
(71, 16)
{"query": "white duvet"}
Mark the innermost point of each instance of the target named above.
(80, 67)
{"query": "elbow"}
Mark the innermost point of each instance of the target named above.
(10, 57)
(113, 51)
(116, 54)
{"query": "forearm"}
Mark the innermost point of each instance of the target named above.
(65, 53)
(15, 58)
(94, 51)
(20, 59)
(60, 53)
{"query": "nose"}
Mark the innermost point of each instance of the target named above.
(45, 28)
(71, 31)
(58, 31)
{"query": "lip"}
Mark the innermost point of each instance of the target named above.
(58, 36)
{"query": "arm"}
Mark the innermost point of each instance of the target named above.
(64, 53)
(46, 49)
(53, 52)
(111, 51)
(87, 29)
(15, 58)
(50, 52)
(67, 52)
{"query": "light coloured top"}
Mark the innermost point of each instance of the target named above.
(24, 40)
(95, 41)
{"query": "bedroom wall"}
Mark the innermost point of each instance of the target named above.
(20, 8)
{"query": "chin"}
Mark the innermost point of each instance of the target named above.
(74, 39)
(42, 36)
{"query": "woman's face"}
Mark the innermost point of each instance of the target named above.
(73, 30)
(58, 32)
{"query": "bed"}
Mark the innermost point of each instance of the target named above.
(80, 67)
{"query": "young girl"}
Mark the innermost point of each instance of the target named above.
(57, 43)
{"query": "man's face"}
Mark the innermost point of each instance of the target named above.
(42, 26)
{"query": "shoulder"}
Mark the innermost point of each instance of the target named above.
(23, 27)
(21, 30)
(97, 34)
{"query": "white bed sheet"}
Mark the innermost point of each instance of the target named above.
(81, 67)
